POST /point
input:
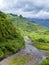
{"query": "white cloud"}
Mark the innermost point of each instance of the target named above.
(28, 8)
(41, 14)
(1, 4)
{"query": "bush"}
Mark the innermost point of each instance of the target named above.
(45, 62)
(1, 54)
(41, 40)
(11, 40)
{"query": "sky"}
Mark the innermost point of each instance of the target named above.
(27, 8)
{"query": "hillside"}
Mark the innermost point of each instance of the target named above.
(10, 37)
(12, 30)
(7, 30)
(37, 33)
(25, 26)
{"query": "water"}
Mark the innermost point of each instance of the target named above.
(31, 49)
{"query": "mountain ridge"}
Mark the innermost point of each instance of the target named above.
(42, 22)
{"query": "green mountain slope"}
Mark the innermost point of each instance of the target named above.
(7, 30)
(25, 26)
(10, 37)
(37, 33)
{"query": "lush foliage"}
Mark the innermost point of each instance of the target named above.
(41, 40)
(10, 38)
(24, 26)
(7, 30)
(45, 62)
(19, 60)
(37, 33)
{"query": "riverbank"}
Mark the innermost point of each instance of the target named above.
(32, 56)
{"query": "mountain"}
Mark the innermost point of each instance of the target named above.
(43, 22)
(25, 26)
(11, 39)
(13, 14)
(37, 33)
(12, 30)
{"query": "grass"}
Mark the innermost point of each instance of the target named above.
(39, 37)
(45, 62)
(37, 33)
(9, 47)
(24, 25)
(19, 60)
(11, 39)
(41, 46)
(41, 40)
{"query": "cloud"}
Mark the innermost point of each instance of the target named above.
(41, 14)
(28, 8)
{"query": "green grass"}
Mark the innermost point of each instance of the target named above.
(19, 60)
(7, 29)
(45, 62)
(24, 26)
(11, 39)
(41, 40)
(12, 46)
(39, 37)
(37, 33)
(41, 46)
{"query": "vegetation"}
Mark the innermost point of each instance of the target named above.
(42, 46)
(37, 33)
(45, 62)
(41, 40)
(24, 26)
(11, 39)
(19, 60)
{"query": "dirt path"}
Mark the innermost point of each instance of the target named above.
(34, 54)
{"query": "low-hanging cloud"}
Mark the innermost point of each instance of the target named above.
(33, 8)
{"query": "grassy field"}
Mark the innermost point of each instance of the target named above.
(19, 60)
(41, 40)
(41, 46)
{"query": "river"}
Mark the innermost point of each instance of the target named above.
(29, 48)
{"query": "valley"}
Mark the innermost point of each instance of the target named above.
(42, 22)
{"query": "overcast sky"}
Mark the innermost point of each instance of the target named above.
(28, 8)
